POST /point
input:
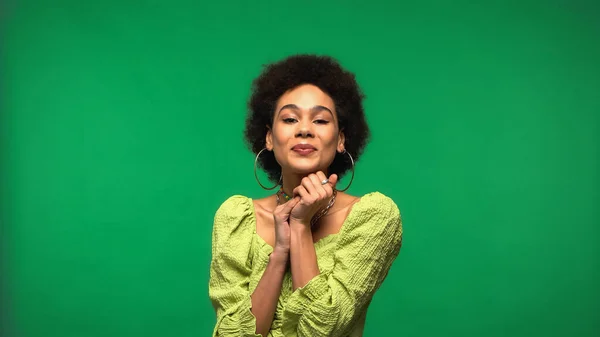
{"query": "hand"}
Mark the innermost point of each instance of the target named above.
(314, 196)
(281, 216)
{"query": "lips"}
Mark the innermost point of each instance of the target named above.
(304, 149)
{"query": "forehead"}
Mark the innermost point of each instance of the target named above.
(305, 97)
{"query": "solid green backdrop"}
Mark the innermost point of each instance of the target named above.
(121, 134)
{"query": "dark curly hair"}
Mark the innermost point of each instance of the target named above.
(323, 72)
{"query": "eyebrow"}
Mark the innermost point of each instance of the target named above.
(316, 108)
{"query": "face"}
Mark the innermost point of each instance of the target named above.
(305, 134)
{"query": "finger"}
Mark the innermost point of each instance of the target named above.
(287, 207)
(327, 187)
(333, 180)
(321, 176)
(303, 193)
(316, 181)
(283, 211)
(308, 184)
(296, 191)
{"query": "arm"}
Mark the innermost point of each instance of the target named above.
(303, 256)
(330, 303)
(238, 312)
(266, 294)
(238, 315)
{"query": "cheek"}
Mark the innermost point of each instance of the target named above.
(281, 135)
(329, 139)
(280, 139)
(280, 144)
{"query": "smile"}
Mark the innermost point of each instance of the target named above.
(304, 152)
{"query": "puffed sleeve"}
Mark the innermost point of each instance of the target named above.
(230, 269)
(331, 303)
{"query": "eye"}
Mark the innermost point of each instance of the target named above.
(289, 120)
(321, 121)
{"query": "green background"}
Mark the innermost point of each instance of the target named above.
(121, 134)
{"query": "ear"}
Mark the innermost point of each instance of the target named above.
(341, 140)
(269, 139)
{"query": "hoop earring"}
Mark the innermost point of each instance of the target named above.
(352, 178)
(256, 175)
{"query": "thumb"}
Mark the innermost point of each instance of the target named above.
(287, 207)
(333, 180)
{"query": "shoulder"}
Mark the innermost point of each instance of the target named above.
(231, 217)
(379, 204)
(234, 206)
(377, 209)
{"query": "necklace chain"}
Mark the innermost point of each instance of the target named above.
(281, 194)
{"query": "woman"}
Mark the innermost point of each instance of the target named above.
(307, 260)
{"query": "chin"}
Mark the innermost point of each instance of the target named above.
(305, 168)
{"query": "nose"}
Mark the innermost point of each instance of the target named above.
(304, 130)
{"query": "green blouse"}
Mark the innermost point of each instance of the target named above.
(353, 264)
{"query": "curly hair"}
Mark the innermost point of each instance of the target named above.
(323, 72)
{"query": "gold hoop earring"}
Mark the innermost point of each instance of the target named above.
(352, 178)
(256, 175)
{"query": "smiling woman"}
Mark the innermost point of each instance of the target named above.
(307, 260)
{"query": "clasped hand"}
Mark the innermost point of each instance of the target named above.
(308, 198)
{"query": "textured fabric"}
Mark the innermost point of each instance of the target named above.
(353, 264)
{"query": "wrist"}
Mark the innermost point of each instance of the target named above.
(300, 229)
(299, 224)
(279, 256)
